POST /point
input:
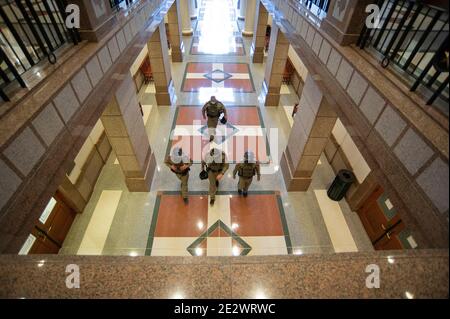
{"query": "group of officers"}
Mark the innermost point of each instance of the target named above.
(215, 164)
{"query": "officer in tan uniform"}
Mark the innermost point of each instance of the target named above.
(180, 164)
(246, 171)
(213, 110)
(216, 165)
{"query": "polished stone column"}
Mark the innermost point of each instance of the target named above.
(160, 64)
(259, 37)
(242, 9)
(186, 25)
(193, 11)
(126, 132)
(173, 22)
(310, 133)
(275, 66)
(250, 18)
(345, 20)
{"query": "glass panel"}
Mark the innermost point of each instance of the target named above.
(27, 245)
(47, 211)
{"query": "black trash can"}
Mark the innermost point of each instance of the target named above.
(341, 184)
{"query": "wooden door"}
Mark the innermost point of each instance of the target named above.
(374, 219)
(43, 244)
(391, 241)
(59, 221)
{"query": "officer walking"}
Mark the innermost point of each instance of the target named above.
(216, 165)
(246, 171)
(213, 110)
(180, 164)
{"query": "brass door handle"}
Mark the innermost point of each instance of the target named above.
(40, 234)
(388, 236)
(383, 227)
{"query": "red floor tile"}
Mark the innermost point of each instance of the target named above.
(194, 85)
(188, 114)
(256, 215)
(236, 68)
(243, 116)
(199, 67)
(240, 85)
(176, 219)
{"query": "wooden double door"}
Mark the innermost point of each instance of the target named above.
(381, 222)
(51, 230)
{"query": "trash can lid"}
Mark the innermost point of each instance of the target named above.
(346, 176)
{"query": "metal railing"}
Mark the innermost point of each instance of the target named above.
(30, 31)
(321, 5)
(115, 4)
(317, 7)
(118, 4)
(315, 10)
(413, 38)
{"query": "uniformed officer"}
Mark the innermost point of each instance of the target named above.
(216, 165)
(246, 171)
(213, 110)
(180, 164)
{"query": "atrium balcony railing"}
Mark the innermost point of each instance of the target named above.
(413, 37)
(119, 4)
(316, 6)
(30, 32)
(316, 10)
(115, 4)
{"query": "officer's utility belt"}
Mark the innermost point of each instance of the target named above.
(246, 176)
(248, 173)
(212, 170)
(183, 173)
(214, 116)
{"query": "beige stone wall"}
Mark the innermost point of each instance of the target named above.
(89, 163)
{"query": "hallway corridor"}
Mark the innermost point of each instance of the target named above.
(270, 221)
